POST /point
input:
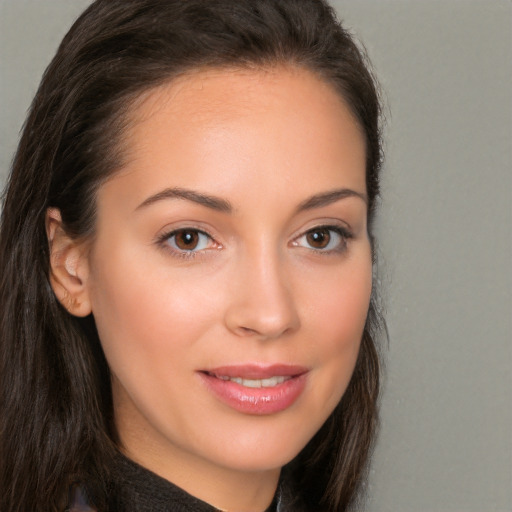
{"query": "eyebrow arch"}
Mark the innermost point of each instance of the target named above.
(327, 198)
(215, 203)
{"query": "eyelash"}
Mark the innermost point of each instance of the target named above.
(343, 233)
(163, 241)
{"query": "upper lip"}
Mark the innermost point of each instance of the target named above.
(257, 371)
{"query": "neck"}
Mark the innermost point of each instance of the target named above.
(224, 488)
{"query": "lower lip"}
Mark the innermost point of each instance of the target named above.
(258, 401)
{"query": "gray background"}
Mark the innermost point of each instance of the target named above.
(445, 234)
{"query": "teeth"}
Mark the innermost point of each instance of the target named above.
(272, 381)
(256, 383)
(249, 383)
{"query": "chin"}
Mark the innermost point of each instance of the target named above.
(262, 449)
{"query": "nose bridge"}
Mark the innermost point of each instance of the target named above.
(263, 303)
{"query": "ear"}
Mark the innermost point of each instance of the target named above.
(69, 266)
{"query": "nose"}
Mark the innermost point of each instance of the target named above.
(262, 303)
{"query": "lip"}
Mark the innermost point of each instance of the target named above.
(257, 401)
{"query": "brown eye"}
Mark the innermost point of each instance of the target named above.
(186, 239)
(190, 240)
(324, 239)
(319, 238)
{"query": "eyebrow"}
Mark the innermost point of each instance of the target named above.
(327, 198)
(222, 205)
(215, 203)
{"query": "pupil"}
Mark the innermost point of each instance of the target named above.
(187, 239)
(319, 239)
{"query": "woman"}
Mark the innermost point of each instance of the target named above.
(187, 314)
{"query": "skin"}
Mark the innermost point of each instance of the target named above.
(255, 290)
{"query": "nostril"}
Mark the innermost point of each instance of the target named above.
(247, 330)
(264, 312)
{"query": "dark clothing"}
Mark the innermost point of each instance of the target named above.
(136, 489)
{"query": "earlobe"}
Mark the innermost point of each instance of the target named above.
(69, 268)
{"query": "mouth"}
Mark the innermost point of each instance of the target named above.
(271, 382)
(256, 389)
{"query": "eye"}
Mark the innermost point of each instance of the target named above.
(188, 240)
(324, 238)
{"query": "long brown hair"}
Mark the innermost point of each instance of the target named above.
(55, 399)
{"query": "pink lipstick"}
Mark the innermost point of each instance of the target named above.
(256, 389)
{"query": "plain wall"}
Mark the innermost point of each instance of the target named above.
(445, 234)
(446, 244)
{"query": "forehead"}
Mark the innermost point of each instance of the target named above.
(229, 91)
(221, 129)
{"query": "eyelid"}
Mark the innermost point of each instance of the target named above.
(162, 241)
(341, 231)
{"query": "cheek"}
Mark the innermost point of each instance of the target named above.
(144, 313)
(337, 320)
(339, 302)
(347, 307)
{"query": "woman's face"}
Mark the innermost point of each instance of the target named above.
(230, 274)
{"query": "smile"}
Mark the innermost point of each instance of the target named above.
(256, 389)
(255, 383)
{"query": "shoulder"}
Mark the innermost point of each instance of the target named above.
(78, 501)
